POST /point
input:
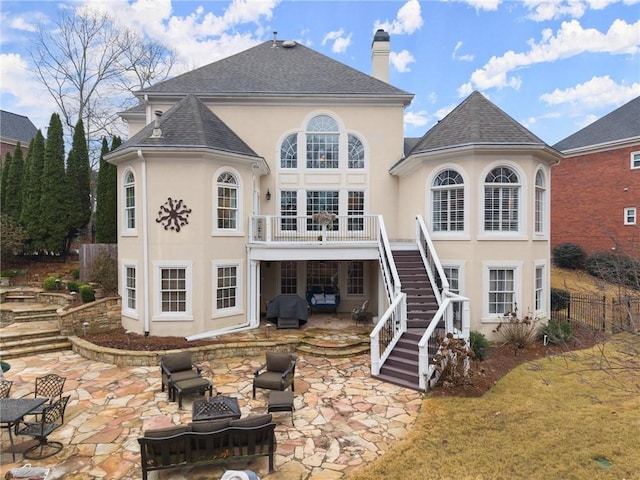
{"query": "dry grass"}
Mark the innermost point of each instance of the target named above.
(541, 421)
(579, 281)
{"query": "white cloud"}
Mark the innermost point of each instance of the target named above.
(408, 20)
(570, 40)
(340, 42)
(463, 58)
(489, 5)
(599, 91)
(401, 60)
(416, 119)
(543, 10)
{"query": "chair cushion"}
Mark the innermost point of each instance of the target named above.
(177, 362)
(252, 421)
(209, 426)
(270, 380)
(167, 432)
(278, 362)
(184, 375)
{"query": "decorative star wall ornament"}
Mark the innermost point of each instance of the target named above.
(173, 215)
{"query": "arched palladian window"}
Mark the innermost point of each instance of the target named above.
(356, 152)
(323, 141)
(227, 201)
(289, 152)
(501, 200)
(129, 200)
(447, 201)
(540, 200)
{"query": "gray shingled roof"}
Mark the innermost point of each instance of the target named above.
(267, 70)
(190, 124)
(16, 127)
(622, 123)
(476, 121)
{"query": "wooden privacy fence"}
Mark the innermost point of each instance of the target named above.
(89, 251)
(597, 311)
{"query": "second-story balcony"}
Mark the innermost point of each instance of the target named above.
(315, 230)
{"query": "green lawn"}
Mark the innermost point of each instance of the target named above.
(556, 418)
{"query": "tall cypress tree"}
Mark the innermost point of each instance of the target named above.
(53, 201)
(79, 180)
(106, 196)
(6, 166)
(32, 191)
(13, 193)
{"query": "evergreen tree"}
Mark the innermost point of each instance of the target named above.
(106, 208)
(13, 194)
(6, 166)
(79, 181)
(55, 191)
(32, 191)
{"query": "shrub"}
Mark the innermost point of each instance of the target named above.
(452, 361)
(104, 271)
(52, 283)
(479, 344)
(614, 268)
(557, 332)
(86, 293)
(569, 255)
(73, 286)
(559, 299)
(75, 273)
(517, 332)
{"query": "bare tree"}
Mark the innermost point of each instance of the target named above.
(87, 62)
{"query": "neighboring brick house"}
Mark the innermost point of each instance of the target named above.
(595, 199)
(15, 128)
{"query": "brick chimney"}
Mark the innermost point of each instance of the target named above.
(380, 49)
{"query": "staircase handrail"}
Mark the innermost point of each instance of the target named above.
(431, 261)
(389, 271)
(388, 331)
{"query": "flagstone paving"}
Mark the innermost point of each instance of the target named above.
(343, 417)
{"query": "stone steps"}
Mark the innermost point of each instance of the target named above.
(334, 347)
(21, 344)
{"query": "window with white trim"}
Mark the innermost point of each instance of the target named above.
(173, 290)
(322, 273)
(289, 152)
(355, 149)
(630, 216)
(540, 202)
(322, 201)
(447, 200)
(539, 288)
(355, 278)
(355, 211)
(323, 142)
(130, 287)
(227, 287)
(288, 277)
(453, 277)
(501, 290)
(227, 198)
(129, 200)
(288, 208)
(635, 159)
(501, 200)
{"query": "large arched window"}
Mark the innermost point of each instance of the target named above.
(447, 201)
(289, 152)
(356, 152)
(501, 200)
(323, 141)
(541, 198)
(129, 191)
(227, 201)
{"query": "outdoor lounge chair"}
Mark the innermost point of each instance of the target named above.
(175, 368)
(277, 373)
(51, 419)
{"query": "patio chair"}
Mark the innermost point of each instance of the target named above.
(5, 387)
(51, 419)
(279, 372)
(361, 314)
(48, 386)
(176, 367)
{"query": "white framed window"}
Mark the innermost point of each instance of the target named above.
(173, 290)
(288, 277)
(323, 142)
(322, 273)
(129, 293)
(289, 152)
(635, 160)
(227, 201)
(322, 201)
(355, 150)
(447, 202)
(630, 216)
(228, 287)
(502, 284)
(355, 278)
(129, 202)
(502, 200)
(288, 208)
(453, 277)
(540, 203)
(539, 288)
(355, 211)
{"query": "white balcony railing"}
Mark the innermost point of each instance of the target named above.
(290, 229)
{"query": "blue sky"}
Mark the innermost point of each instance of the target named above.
(554, 66)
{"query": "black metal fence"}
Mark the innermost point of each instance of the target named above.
(597, 311)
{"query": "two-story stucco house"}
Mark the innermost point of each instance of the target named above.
(228, 166)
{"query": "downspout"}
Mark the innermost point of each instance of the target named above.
(145, 244)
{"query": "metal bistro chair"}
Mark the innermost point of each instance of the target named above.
(52, 418)
(48, 386)
(5, 388)
(361, 314)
